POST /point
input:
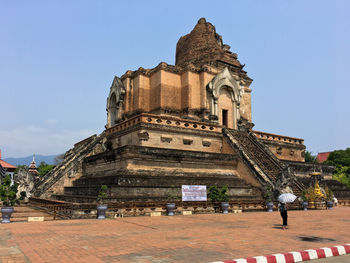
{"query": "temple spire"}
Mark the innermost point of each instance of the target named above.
(32, 167)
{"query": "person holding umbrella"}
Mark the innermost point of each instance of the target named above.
(283, 200)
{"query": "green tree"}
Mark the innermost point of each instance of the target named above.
(8, 192)
(44, 168)
(341, 160)
(309, 157)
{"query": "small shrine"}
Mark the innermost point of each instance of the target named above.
(32, 167)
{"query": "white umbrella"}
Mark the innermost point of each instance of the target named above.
(286, 198)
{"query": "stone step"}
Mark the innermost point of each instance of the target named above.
(159, 181)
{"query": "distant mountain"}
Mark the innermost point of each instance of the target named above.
(49, 159)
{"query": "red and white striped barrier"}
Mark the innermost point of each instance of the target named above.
(292, 257)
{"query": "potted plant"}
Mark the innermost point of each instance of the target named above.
(170, 206)
(219, 195)
(223, 198)
(304, 200)
(329, 197)
(101, 207)
(8, 195)
(268, 195)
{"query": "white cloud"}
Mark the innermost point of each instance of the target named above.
(31, 139)
(51, 121)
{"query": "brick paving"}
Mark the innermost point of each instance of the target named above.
(191, 238)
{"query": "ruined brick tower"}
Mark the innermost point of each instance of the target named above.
(188, 123)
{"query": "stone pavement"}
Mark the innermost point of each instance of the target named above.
(191, 238)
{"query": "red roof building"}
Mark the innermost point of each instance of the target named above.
(322, 157)
(8, 167)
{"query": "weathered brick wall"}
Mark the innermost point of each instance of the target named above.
(203, 45)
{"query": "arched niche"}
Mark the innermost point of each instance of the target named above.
(115, 102)
(225, 107)
(225, 95)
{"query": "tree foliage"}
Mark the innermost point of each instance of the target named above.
(310, 158)
(218, 195)
(44, 168)
(8, 192)
(341, 160)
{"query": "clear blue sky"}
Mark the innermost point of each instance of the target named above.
(58, 59)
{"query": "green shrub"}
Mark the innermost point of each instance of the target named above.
(304, 196)
(102, 194)
(8, 192)
(268, 194)
(329, 194)
(218, 195)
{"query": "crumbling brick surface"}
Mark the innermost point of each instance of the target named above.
(203, 45)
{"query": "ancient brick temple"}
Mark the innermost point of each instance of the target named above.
(183, 124)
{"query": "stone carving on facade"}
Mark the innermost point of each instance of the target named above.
(26, 181)
(244, 125)
(166, 139)
(143, 136)
(115, 102)
(224, 79)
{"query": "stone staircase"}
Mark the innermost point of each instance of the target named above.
(260, 158)
(22, 212)
(297, 188)
(72, 162)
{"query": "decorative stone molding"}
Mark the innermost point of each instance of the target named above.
(165, 121)
(279, 138)
(143, 136)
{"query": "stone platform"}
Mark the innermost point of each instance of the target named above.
(135, 173)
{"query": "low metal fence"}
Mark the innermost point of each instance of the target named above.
(65, 210)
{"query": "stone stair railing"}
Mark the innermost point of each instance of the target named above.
(263, 161)
(255, 154)
(71, 157)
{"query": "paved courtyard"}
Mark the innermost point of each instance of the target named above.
(190, 238)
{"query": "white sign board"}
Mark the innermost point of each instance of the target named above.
(194, 193)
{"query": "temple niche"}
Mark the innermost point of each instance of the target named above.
(183, 124)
